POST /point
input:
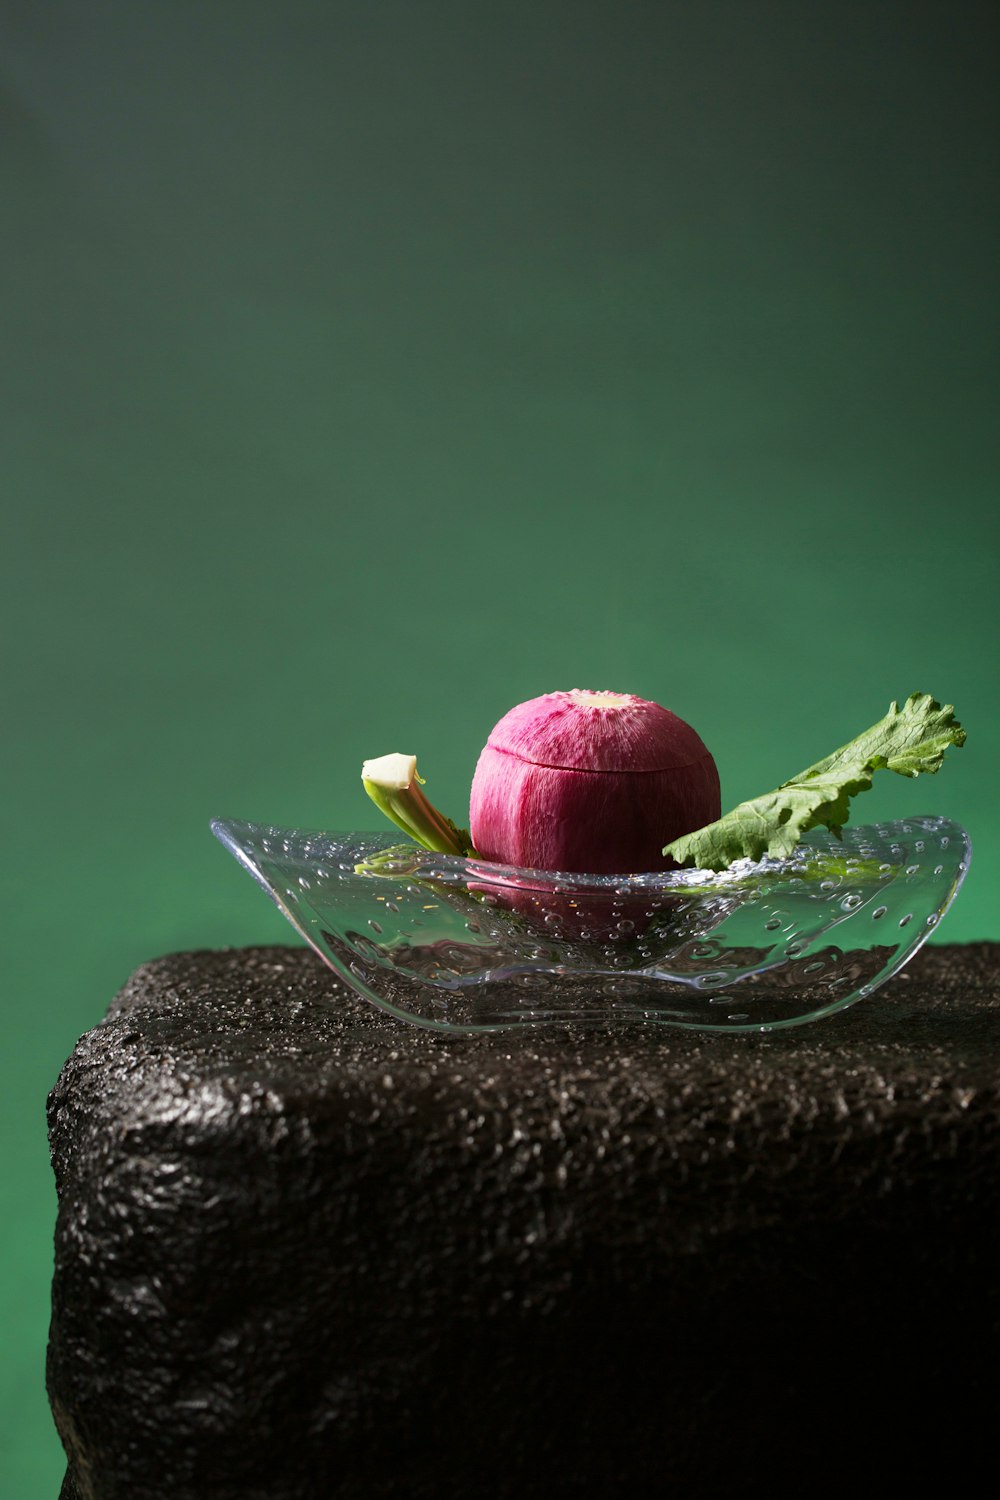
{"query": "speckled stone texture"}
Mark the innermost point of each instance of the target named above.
(305, 1251)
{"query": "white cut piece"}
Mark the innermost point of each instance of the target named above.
(394, 772)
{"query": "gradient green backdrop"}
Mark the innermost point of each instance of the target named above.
(370, 368)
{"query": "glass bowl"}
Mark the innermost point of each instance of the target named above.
(463, 945)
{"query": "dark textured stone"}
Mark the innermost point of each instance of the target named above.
(304, 1251)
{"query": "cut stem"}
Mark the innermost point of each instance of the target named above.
(393, 784)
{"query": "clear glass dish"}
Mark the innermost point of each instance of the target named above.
(463, 945)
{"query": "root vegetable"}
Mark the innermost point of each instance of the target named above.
(592, 782)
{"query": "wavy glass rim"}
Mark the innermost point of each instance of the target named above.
(322, 880)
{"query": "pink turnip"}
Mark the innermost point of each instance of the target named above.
(591, 782)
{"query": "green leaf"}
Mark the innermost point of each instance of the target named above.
(909, 740)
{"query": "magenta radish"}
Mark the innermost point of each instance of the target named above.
(592, 782)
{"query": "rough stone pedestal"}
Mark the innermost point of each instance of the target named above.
(306, 1252)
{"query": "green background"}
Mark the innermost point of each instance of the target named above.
(371, 368)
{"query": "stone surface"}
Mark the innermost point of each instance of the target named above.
(305, 1251)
